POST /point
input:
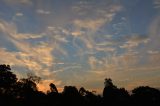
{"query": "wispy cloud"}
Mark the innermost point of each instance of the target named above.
(154, 33)
(93, 62)
(153, 52)
(77, 33)
(93, 24)
(19, 14)
(19, 2)
(82, 38)
(41, 11)
(35, 57)
(89, 24)
(156, 3)
(28, 36)
(135, 41)
(10, 57)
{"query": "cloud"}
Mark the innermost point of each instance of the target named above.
(10, 57)
(77, 42)
(27, 36)
(19, 14)
(129, 45)
(37, 58)
(18, 2)
(104, 43)
(134, 41)
(139, 38)
(8, 28)
(60, 38)
(89, 24)
(40, 11)
(153, 52)
(34, 57)
(99, 14)
(93, 62)
(107, 49)
(93, 79)
(156, 3)
(120, 62)
(129, 80)
(57, 37)
(77, 33)
(146, 81)
(93, 17)
(154, 33)
(154, 59)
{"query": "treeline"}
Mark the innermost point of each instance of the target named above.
(24, 92)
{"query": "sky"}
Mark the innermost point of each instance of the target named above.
(82, 42)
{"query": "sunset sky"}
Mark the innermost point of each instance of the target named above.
(82, 42)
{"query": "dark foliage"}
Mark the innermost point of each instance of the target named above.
(24, 92)
(145, 95)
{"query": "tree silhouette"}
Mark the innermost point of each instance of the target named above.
(7, 82)
(53, 96)
(70, 91)
(145, 95)
(24, 92)
(71, 96)
(82, 91)
(108, 83)
(53, 88)
(7, 78)
(113, 95)
(109, 89)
